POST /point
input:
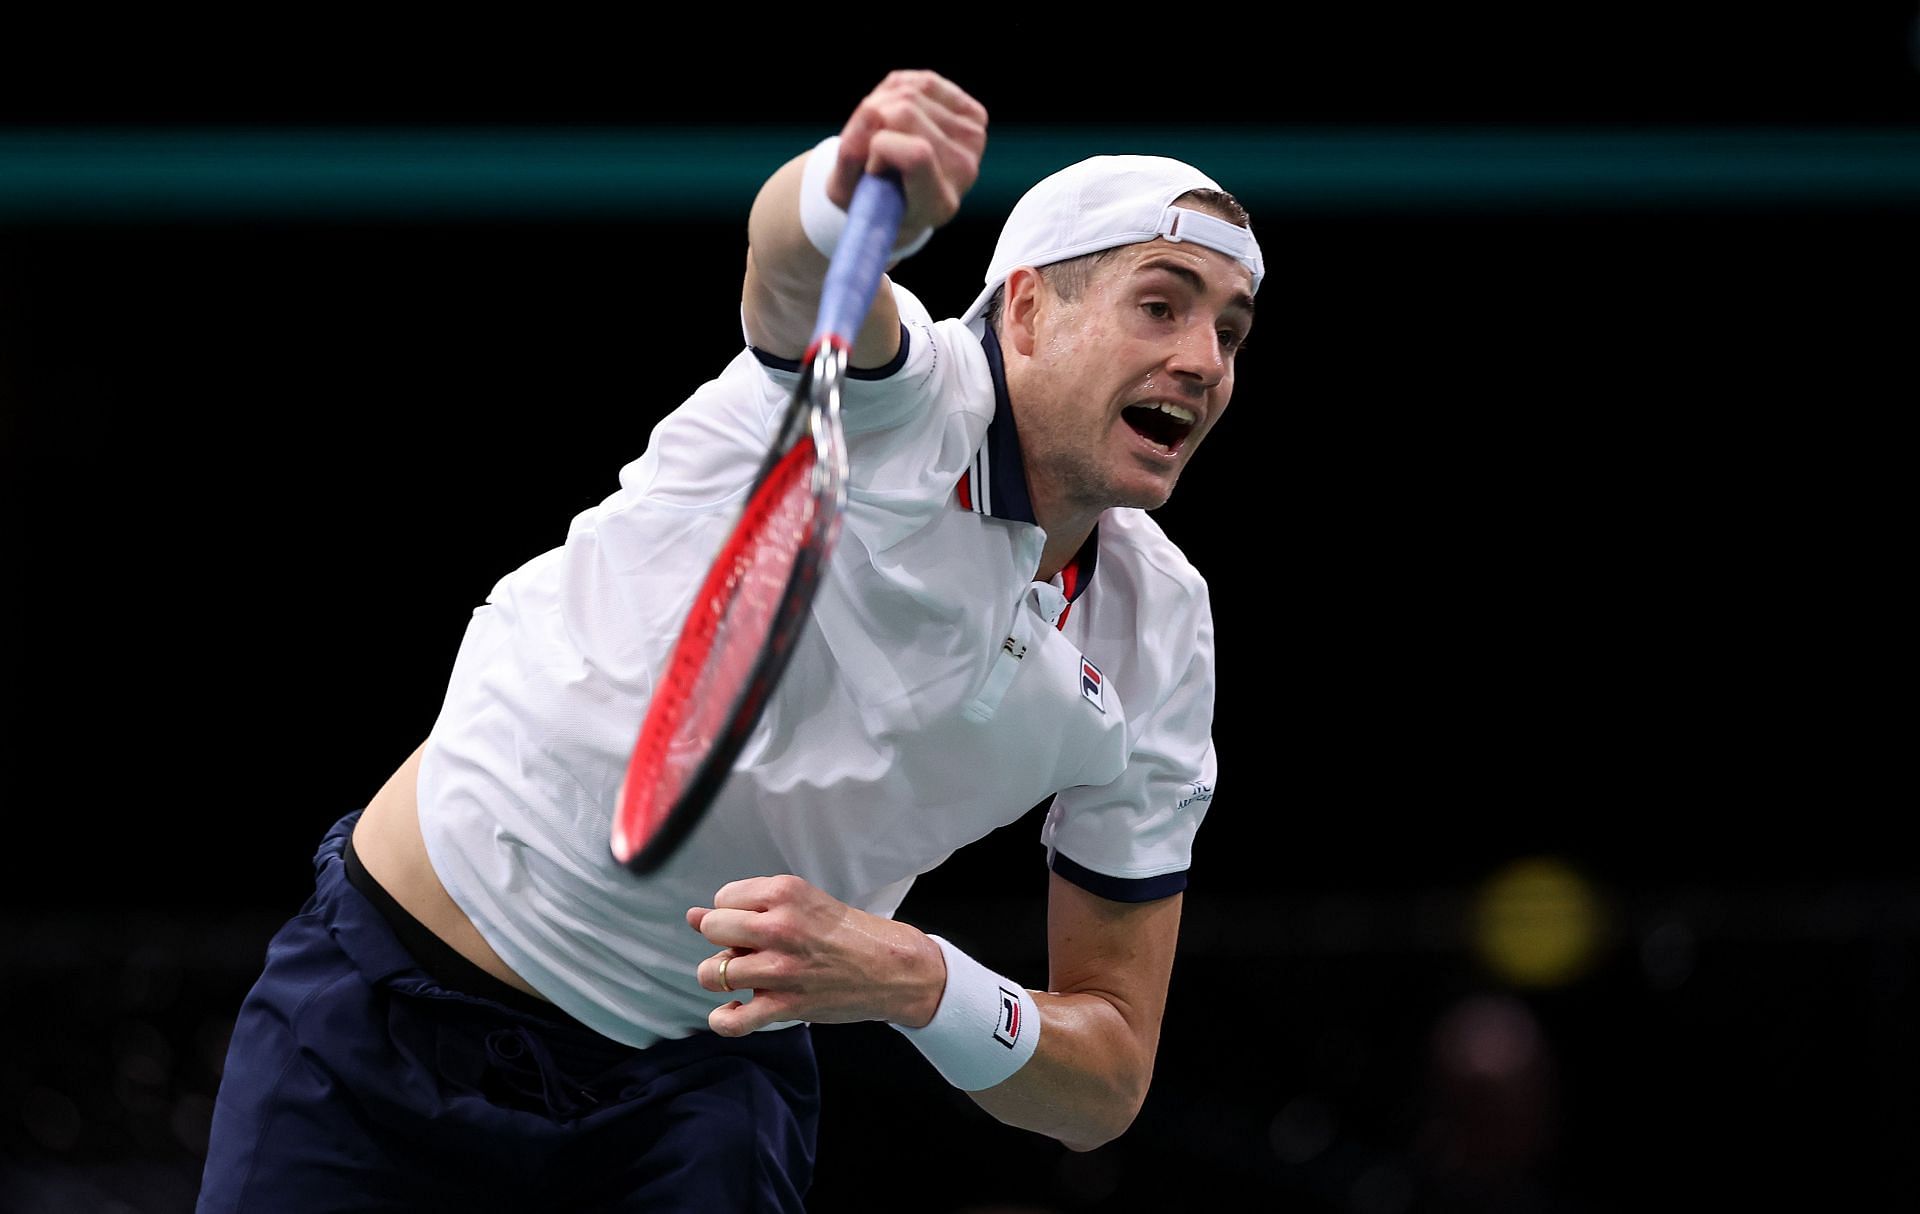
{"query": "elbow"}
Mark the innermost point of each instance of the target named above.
(1084, 1145)
(1094, 1135)
(1109, 1117)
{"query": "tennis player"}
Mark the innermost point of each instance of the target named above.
(479, 1008)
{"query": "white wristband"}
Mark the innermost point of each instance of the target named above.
(823, 222)
(985, 1028)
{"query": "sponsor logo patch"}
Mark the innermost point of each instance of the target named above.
(1090, 683)
(1006, 1030)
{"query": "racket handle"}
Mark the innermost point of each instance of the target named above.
(859, 260)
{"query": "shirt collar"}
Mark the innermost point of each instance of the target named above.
(996, 482)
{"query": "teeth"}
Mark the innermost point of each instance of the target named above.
(1179, 412)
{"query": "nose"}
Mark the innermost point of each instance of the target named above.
(1198, 358)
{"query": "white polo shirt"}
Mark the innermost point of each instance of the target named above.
(937, 692)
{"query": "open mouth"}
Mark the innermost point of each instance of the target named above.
(1161, 423)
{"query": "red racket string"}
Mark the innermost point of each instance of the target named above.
(720, 644)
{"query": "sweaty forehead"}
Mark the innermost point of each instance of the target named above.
(1203, 270)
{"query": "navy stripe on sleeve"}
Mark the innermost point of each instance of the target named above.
(793, 364)
(1120, 889)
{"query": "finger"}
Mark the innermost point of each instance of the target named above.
(909, 122)
(736, 929)
(708, 972)
(889, 127)
(912, 115)
(694, 915)
(737, 1019)
(722, 1019)
(933, 195)
(936, 93)
(758, 893)
(851, 162)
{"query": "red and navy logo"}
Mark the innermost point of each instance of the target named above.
(1091, 682)
(1006, 1030)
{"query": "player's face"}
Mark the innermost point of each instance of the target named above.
(1123, 383)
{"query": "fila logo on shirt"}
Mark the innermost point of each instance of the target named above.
(1091, 681)
(1006, 1029)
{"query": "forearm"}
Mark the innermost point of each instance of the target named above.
(786, 267)
(915, 126)
(784, 270)
(1085, 1082)
(1084, 1077)
(1073, 1064)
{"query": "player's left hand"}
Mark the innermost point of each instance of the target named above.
(806, 955)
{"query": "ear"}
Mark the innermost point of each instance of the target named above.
(1021, 308)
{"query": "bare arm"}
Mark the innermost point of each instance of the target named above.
(1108, 968)
(808, 956)
(917, 123)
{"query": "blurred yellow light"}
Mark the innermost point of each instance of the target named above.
(1537, 922)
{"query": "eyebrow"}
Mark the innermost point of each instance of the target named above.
(1191, 277)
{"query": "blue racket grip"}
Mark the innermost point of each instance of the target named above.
(853, 274)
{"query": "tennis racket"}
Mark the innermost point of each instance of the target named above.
(744, 621)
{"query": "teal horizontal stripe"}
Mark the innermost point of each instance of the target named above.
(146, 176)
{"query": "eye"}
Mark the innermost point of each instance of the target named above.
(1159, 309)
(1231, 340)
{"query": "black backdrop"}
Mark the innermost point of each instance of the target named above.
(1535, 531)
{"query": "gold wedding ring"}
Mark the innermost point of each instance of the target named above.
(724, 984)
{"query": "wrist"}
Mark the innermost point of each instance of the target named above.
(929, 979)
(984, 1029)
(823, 221)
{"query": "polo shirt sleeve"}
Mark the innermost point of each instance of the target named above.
(1132, 840)
(873, 398)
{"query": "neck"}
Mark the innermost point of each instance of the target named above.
(1067, 523)
(1063, 543)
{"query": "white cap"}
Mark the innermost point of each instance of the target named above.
(1104, 202)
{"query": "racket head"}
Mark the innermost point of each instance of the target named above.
(740, 631)
(748, 614)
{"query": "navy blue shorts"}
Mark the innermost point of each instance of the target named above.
(358, 1081)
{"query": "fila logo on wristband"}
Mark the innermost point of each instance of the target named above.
(1006, 1030)
(986, 1027)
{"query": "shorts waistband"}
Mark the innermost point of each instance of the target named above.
(438, 958)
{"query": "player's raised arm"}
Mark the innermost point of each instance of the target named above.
(916, 123)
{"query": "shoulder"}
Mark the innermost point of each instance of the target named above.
(1137, 555)
(933, 407)
(940, 370)
(1147, 610)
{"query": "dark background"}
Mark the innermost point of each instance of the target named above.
(1542, 528)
